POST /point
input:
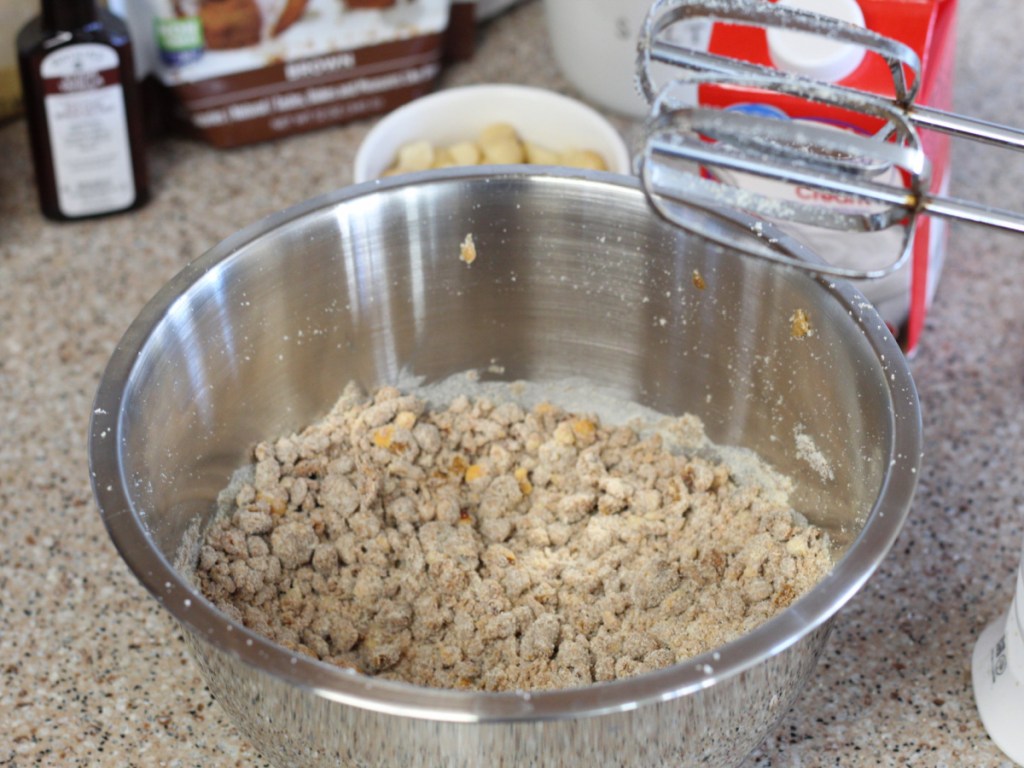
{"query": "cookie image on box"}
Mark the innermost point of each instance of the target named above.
(241, 23)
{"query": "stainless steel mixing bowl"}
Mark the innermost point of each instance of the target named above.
(575, 277)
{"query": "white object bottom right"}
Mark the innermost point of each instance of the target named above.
(997, 670)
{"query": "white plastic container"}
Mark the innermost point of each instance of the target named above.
(594, 42)
(997, 671)
(595, 46)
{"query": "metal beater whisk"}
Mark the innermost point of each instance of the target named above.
(839, 162)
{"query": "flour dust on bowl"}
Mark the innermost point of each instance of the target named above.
(575, 277)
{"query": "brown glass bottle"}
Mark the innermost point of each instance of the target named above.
(83, 111)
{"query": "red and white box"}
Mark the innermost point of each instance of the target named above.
(926, 26)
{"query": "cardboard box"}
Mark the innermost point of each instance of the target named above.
(926, 26)
(243, 71)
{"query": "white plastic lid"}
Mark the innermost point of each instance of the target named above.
(817, 56)
(997, 672)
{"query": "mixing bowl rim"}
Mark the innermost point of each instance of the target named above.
(209, 625)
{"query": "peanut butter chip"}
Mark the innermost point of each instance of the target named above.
(496, 144)
(467, 250)
(800, 324)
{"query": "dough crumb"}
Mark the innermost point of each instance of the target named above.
(487, 545)
(467, 250)
(800, 324)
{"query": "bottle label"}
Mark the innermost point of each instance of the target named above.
(88, 128)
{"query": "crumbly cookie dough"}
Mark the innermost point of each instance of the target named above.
(490, 547)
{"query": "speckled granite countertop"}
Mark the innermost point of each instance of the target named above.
(93, 673)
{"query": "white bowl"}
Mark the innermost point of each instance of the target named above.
(543, 117)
